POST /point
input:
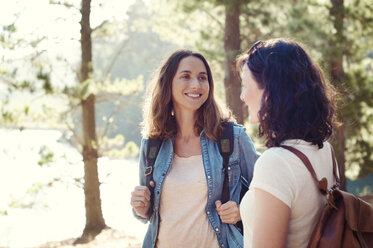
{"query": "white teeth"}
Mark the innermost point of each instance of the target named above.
(193, 95)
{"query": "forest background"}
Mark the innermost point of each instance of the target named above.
(81, 69)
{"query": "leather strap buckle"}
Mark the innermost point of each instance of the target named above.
(148, 170)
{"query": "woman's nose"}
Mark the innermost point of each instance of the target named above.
(195, 83)
(242, 96)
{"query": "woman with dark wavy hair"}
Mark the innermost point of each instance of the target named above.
(293, 104)
(188, 174)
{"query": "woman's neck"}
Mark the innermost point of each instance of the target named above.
(185, 121)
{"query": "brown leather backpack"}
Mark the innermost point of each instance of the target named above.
(346, 220)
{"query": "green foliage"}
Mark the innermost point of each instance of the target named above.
(45, 78)
(131, 150)
(46, 156)
(359, 119)
(115, 148)
(33, 196)
(123, 86)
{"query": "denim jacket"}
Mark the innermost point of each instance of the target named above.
(244, 155)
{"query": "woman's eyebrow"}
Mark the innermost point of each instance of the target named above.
(186, 71)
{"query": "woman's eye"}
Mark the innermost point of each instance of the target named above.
(186, 76)
(203, 78)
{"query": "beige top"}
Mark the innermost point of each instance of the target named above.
(183, 221)
(281, 173)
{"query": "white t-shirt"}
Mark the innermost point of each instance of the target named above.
(183, 221)
(282, 174)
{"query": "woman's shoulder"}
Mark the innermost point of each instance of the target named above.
(275, 159)
(238, 129)
(273, 154)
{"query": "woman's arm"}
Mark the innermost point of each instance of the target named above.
(271, 220)
(248, 156)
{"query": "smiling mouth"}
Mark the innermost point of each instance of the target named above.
(193, 95)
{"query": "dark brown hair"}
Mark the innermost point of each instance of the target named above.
(159, 122)
(297, 102)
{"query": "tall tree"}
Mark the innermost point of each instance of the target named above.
(337, 77)
(95, 222)
(232, 47)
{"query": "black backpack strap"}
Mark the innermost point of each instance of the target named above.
(225, 144)
(151, 155)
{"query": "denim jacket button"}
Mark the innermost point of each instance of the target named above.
(208, 177)
(217, 229)
(210, 196)
(208, 212)
(229, 168)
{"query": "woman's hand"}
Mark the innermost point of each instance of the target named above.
(140, 199)
(229, 212)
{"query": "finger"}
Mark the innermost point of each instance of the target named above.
(142, 189)
(152, 184)
(141, 192)
(136, 204)
(217, 204)
(228, 212)
(224, 213)
(228, 205)
(228, 221)
(228, 217)
(140, 198)
(145, 195)
(141, 195)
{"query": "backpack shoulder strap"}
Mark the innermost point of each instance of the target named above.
(151, 155)
(335, 167)
(225, 144)
(323, 183)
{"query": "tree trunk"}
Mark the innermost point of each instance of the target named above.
(337, 76)
(232, 46)
(95, 222)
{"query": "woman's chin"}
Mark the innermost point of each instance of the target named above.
(253, 120)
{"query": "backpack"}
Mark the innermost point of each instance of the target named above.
(346, 220)
(225, 144)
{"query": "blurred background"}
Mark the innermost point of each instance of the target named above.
(73, 77)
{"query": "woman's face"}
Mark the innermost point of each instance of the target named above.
(190, 85)
(251, 94)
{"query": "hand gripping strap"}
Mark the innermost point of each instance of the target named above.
(151, 155)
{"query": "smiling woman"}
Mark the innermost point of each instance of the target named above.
(187, 178)
(190, 86)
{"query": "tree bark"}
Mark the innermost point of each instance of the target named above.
(232, 46)
(337, 76)
(95, 222)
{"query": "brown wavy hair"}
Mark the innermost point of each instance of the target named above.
(298, 102)
(159, 121)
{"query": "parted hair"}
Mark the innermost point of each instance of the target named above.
(159, 120)
(298, 102)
